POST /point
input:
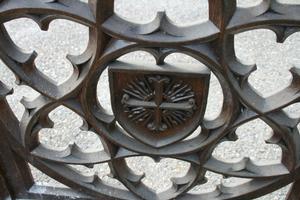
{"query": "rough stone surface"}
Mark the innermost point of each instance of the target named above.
(65, 37)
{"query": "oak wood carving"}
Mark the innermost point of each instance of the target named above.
(156, 107)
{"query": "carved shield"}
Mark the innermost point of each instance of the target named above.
(158, 105)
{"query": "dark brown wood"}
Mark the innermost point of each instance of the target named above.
(158, 107)
(4, 192)
(155, 106)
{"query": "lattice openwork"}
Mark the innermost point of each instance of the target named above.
(155, 108)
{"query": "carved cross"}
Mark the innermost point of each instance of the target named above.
(158, 99)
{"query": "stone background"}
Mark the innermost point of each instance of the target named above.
(65, 37)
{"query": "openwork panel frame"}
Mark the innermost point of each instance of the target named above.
(156, 108)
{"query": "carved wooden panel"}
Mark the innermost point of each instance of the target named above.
(155, 107)
(158, 105)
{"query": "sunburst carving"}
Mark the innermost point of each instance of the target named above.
(158, 102)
